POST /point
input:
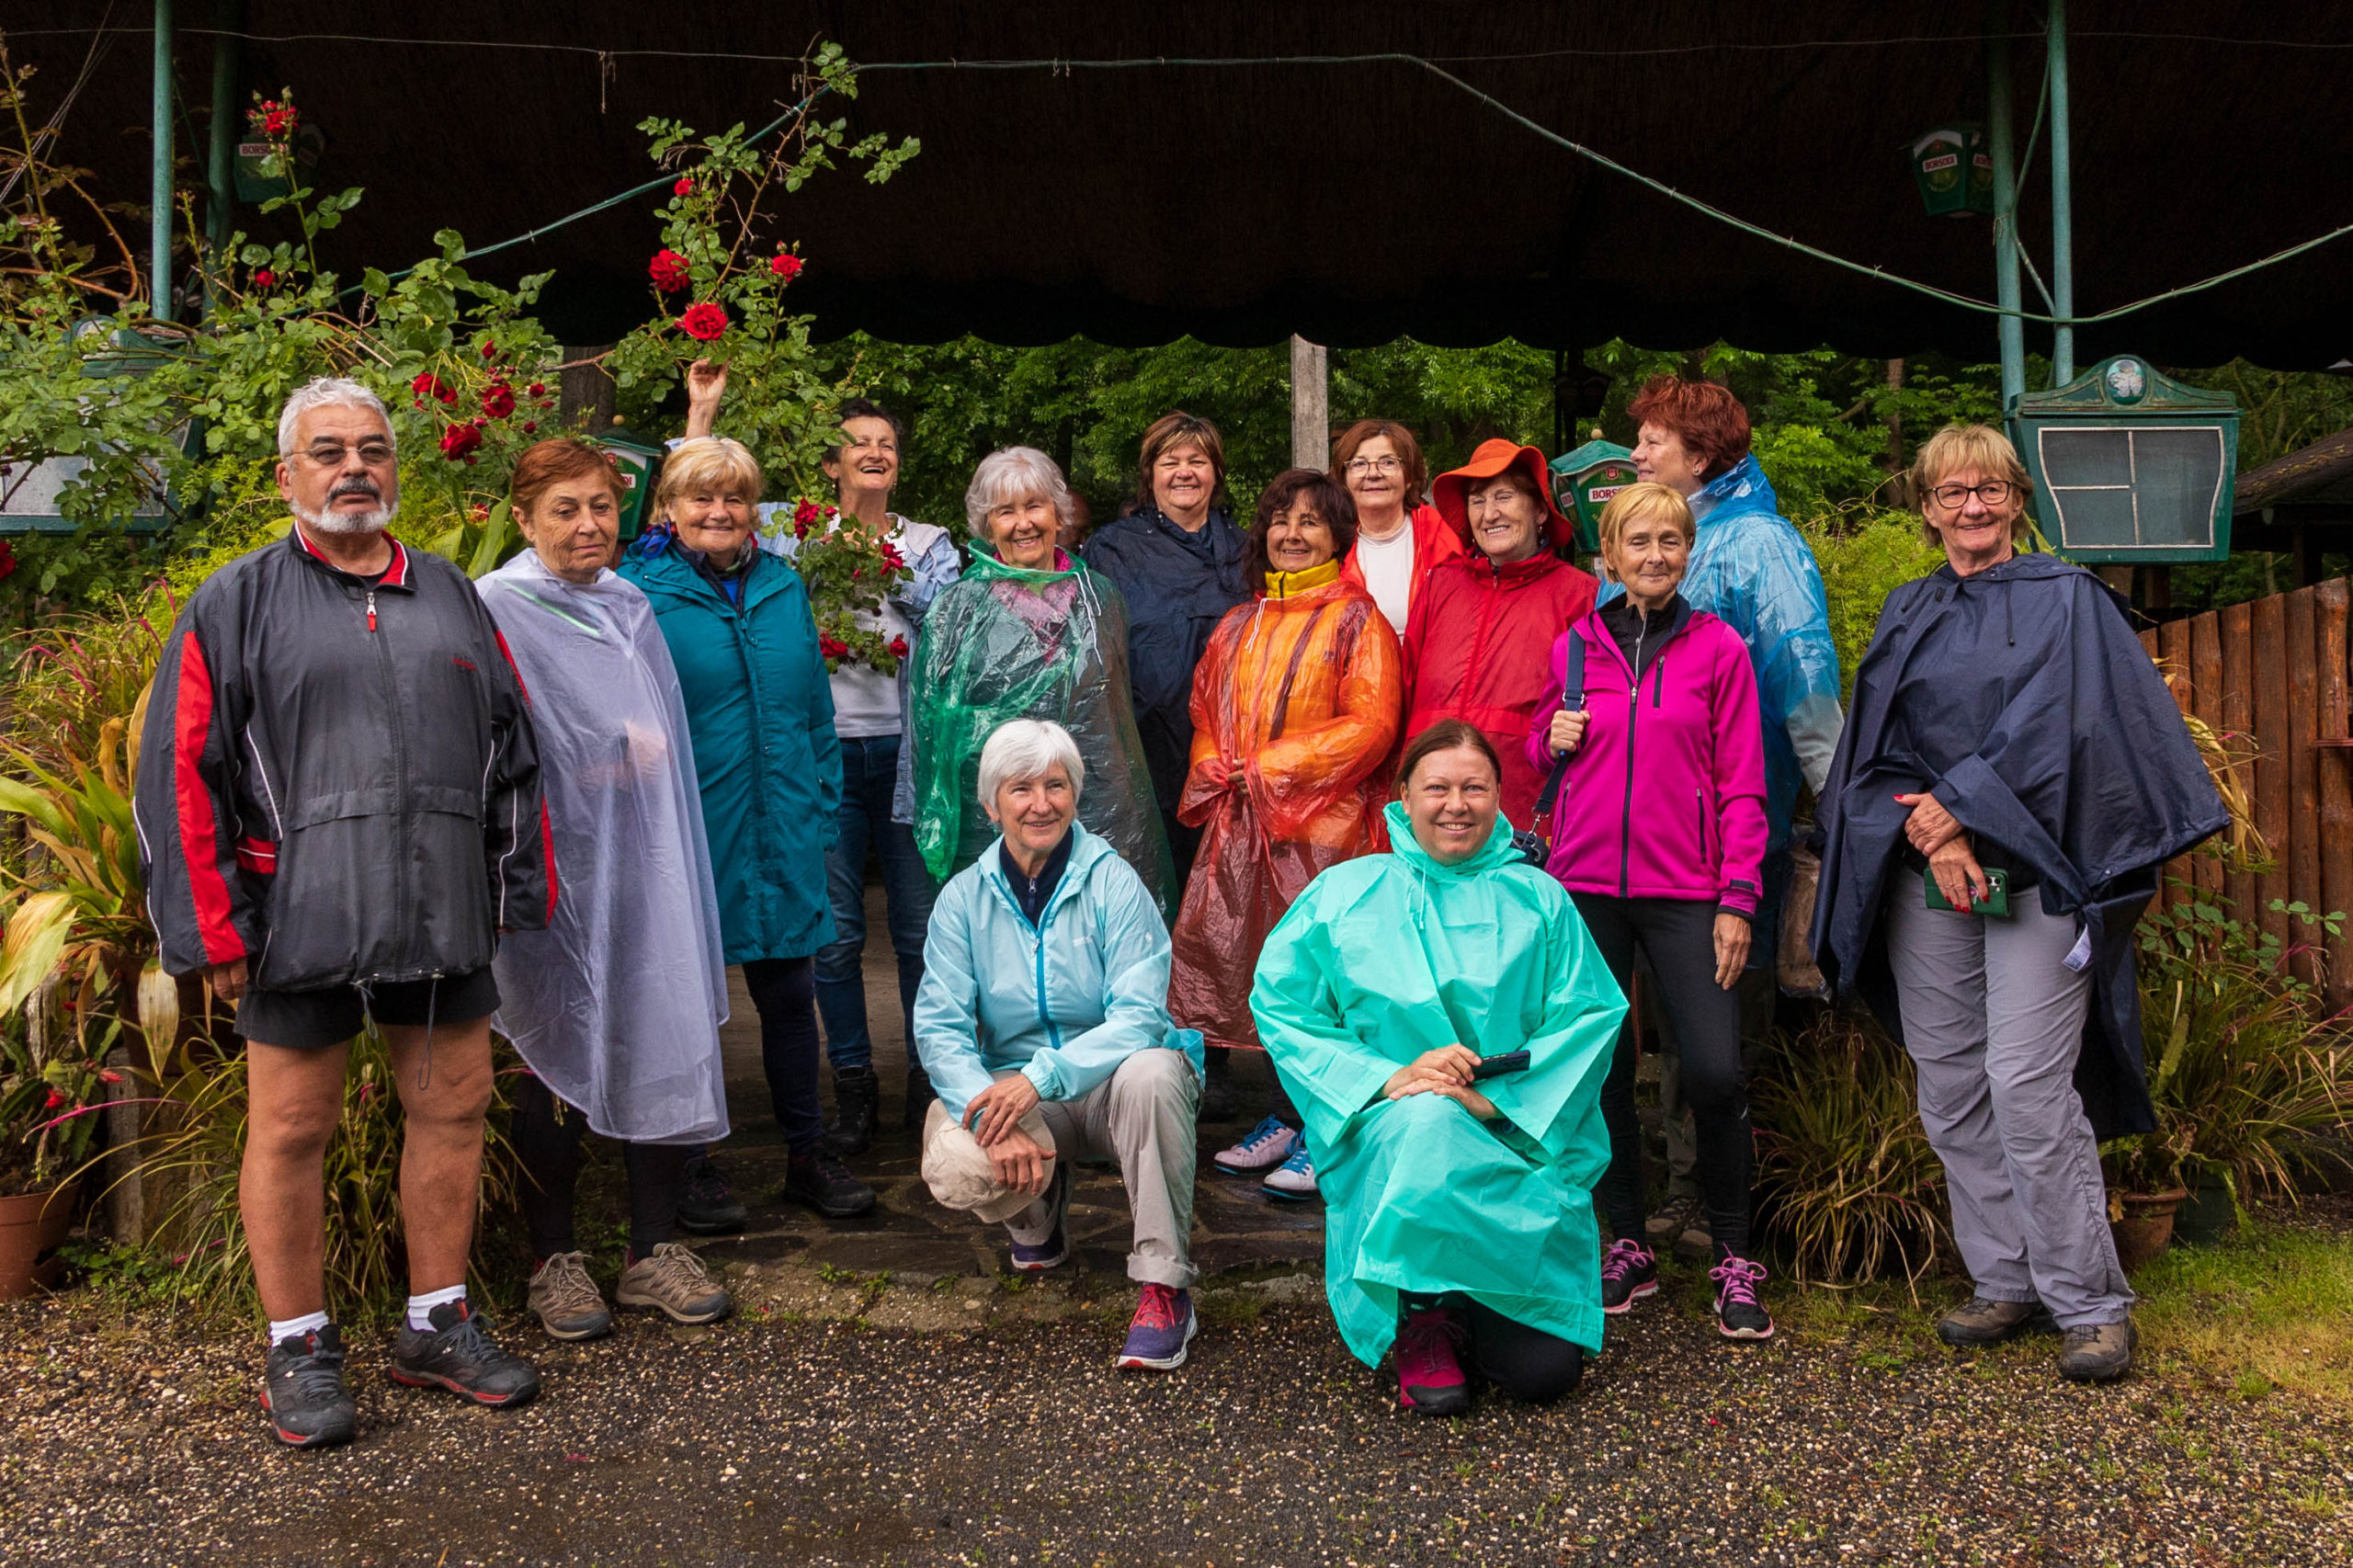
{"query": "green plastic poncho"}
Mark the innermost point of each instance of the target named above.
(1389, 956)
(1004, 643)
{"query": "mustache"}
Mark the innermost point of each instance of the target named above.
(357, 486)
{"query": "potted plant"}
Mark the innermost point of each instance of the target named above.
(2144, 1192)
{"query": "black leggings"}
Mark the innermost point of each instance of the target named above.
(1525, 1363)
(547, 1135)
(1679, 936)
(785, 992)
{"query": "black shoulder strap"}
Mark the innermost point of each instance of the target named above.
(1572, 700)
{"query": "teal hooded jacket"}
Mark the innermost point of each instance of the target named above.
(1389, 956)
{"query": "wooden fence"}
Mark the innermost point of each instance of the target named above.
(2271, 676)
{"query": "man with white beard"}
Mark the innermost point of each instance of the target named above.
(338, 810)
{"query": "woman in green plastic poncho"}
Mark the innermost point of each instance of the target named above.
(1460, 1208)
(1029, 633)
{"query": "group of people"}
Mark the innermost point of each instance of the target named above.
(1384, 786)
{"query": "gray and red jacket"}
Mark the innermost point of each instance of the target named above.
(337, 779)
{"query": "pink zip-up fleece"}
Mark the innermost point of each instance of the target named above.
(1665, 795)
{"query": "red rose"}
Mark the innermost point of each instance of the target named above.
(832, 647)
(55, 1099)
(785, 267)
(669, 271)
(539, 389)
(277, 121)
(890, 556)
(7, 558)
(489, 349)
(264, 278)
(499, 401)
(684, 187)
(804, 514)
(898, 647)
(703, 322)
(530, 425)
(458, 442)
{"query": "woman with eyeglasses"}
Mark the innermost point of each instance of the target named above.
(2012, 776)
(1400, 537)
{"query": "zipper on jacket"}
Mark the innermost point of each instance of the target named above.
(1699, 809)
(1633, 706)
(371, 609)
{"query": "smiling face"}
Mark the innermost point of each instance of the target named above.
(1452, 798)
(1299, 538)
(573, 526)
(1033, 813)
(1648, 557)
(712, 519)
(1977, 532)
(343, 477)
(1183, 480)
(1024, 532)
(868, 460)
(1376, 475)
(1507, 517)
(1661, 457)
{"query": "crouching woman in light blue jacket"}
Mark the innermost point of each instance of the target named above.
(1043, 1022)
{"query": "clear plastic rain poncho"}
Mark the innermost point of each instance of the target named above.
(617, 1006)
(1009, 644)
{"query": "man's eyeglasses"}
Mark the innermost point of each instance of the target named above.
(1993, 492)
(375, 454)
(1373, 465)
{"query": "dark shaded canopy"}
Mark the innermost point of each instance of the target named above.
(1350, 202)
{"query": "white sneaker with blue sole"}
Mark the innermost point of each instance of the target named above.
(1294, 1179)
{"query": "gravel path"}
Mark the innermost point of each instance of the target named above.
(1013, 1442)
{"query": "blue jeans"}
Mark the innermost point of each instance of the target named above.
(870, 772)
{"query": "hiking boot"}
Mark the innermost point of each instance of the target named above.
(1293, 1181)
(1263, 1148)
(2098, 1352)
(920, 1094)
(817, 1177)
(675, 1283)
(1681, 1214)
(302, 1390)
(1031, 1258)
(1739, 1316)
(568, 1304)
(1980, 1322)
(1163, 1327)
(1430, 1372)
(858, 1098)
(1629, 1272)
(707, 1205)
(459, 1355)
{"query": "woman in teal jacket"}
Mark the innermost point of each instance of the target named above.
(1459, 1209)
(761, 714)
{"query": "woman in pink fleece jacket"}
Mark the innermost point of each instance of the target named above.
(1659, 837)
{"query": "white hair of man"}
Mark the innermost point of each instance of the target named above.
(1015, 475)
(337, 391)
(1029, 748)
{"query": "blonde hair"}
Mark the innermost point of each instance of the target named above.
(707, 462)
(1982, 448)
(1647, 500)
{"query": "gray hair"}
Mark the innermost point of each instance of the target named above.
(327, 392)
(1016, 474)
(1029, 748)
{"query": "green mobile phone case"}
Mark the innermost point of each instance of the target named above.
(1996, 904)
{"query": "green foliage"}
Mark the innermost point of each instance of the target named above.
(1864, 555)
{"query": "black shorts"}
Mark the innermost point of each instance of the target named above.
(312, 1021)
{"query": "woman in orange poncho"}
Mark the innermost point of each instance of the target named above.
(1296, 705)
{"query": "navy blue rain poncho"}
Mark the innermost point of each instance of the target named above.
(2020, 697)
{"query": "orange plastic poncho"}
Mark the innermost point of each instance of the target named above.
(1306, 689)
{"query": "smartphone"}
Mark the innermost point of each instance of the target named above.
(1995, 903)
(1509, 1061)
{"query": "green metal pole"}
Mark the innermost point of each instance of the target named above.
(2005, 205)
(221, 167)
(2063, 208)
(159, 217)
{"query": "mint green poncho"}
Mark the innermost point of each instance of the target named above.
(1389, 956)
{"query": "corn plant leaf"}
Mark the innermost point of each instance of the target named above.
(35, 941)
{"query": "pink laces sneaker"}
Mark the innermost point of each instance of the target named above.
(1629, 1272)
(1430, 1375)
(1739, 1314)
(1162, 1329)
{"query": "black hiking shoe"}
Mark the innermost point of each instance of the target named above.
(459, 1355)
(920, 1094)
(858, 1096)
(707, 1205)
(817, 1177)
(303, 1393)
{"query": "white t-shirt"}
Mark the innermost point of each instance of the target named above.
(1388, 568)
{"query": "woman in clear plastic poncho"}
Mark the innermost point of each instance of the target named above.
(1029, 633)
(1460, 1210)
(1296, 704)
(615, 1007)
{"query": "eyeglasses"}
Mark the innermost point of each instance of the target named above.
(1993, 492)
(375, 454)
(1373, 465)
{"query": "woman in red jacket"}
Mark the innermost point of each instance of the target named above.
(1659, 837)
(1401, 538)
(1476, 640)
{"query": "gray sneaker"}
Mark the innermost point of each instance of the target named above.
(568, 1304)
(2097, 1353)
(675, 1283)
(1980, 1322)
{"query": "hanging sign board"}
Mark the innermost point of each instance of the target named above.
(1585, 480)
(2131, 465)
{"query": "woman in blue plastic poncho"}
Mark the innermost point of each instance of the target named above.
(1459, 1208)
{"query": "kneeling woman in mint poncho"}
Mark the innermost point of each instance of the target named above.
(1459, 1206)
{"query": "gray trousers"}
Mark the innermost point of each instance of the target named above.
(1993, 1021)
(1140, 1117)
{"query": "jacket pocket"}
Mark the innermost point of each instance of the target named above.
(258, 855)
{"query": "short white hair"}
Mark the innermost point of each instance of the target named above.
(328, 391)
(1016, 473)
(1029, 748)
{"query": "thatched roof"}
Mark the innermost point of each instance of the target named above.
(2320, 476)
(1349, 202)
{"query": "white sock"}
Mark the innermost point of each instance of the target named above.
(420, 1308)
(295, 1328)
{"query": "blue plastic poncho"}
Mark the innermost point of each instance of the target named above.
(1750, 568)
(1389, 956)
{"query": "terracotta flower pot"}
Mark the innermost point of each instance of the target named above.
(2146, 1229)
(30, 1228)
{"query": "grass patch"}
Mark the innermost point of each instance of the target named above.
(2271, 1307)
